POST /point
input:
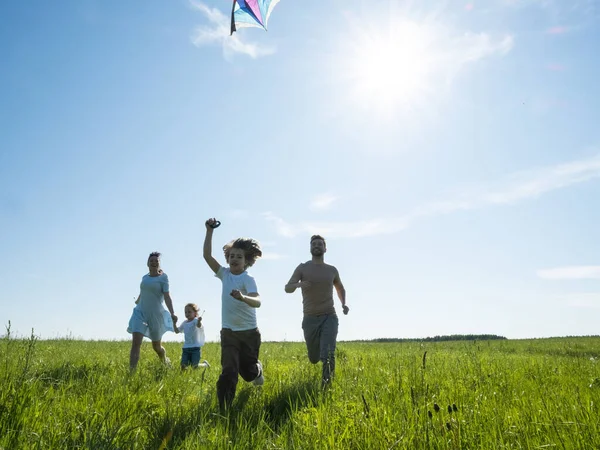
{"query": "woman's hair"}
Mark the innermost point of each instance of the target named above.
(193, 306)
(157, 254)
(250, 247)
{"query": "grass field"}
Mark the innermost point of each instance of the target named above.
(70, 394)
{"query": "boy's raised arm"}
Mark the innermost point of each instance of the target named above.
(207, 250)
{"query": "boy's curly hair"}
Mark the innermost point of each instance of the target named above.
(250, 246)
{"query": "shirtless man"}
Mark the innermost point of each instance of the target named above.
(320, 323)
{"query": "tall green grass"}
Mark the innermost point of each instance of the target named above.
(69, 394)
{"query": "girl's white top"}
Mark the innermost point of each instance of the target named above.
(193, 336)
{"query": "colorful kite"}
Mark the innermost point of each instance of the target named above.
(251, 13)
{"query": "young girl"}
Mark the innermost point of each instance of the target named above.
(240, 338)
(193, 332)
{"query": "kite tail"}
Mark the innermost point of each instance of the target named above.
(232, 19)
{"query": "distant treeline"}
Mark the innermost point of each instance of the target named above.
(451, 337)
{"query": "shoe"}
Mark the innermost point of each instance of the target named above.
(260, 379)
(204, 364)
(167, 362)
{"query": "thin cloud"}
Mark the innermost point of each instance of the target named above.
(217, 33)
(283, 228)
(516, 188)
(336, 229)
(449, 50)
(570, 273)
(475, 46)
(271, 256)
(532, 184)
(461, 51)
(582, 300)
(458, 51)
(404, 67)
(323, 202)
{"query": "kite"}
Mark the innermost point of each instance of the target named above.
(251, 13)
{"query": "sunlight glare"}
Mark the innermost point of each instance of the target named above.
(391, 69)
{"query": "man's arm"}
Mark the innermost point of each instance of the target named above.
(295, 281)
(207, 249)
(341, 292)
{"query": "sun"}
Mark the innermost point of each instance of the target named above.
(390, 69)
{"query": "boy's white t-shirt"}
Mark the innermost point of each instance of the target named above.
(193, 336)
(235, 314)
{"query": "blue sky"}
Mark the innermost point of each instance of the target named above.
(448, 151)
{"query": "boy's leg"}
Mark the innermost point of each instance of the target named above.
(250, 347)
(230, 364)
(329, 334)
(311, 325)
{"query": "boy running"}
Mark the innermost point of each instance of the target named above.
(240, 337)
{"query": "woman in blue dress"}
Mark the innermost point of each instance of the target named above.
(149, 317)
